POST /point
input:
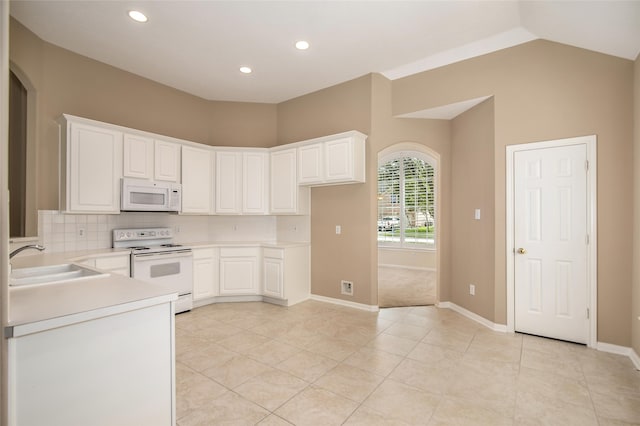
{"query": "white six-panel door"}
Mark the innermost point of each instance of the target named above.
(550, 242)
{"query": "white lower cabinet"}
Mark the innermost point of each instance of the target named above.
(286, 274)
(272, 269)
(114, 370)
(277, 274)
(239, 271)
(205, 273)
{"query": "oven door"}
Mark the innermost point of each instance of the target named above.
(172, 270)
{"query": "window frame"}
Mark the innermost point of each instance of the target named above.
(402, 243)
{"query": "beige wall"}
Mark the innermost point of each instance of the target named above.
(433, 135)
(345, 256)
(541, 90)
(362, 104)
(70, 83)
(544, 90)
(472, 182)
(635, 308)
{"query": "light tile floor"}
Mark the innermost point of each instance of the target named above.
(321, 364)
(398, 286)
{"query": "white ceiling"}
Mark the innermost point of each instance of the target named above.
(198, 46)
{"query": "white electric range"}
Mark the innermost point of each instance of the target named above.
(157, 260)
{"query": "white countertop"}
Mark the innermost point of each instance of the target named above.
(29, 259)
(38, 308)
(43, 307)
(272, 244)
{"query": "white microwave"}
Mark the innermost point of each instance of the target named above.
(140, 195)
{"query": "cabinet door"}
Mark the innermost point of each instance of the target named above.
(205, 273)
(238, 275)
(310, 164)
(138, 157)
(273, 280)
(197, 190)
(284, 182)
(167, 161)
(255, 188)
(339, 160)
(94, 168)
(228, 182)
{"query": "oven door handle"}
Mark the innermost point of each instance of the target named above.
(162, 255)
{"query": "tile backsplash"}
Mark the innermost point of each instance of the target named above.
(60, 232)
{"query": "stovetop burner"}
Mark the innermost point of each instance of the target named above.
(146, 240)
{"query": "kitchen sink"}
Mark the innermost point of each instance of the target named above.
(52, 274)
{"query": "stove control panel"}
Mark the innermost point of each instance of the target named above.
(142, 234)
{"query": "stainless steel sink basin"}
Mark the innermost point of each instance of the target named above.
(52, 274)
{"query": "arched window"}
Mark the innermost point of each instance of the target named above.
(406, 200)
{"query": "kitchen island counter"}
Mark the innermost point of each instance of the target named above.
(42, 307)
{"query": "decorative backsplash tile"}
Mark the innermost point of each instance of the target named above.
(60, 232)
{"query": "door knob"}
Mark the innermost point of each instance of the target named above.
(522, 251)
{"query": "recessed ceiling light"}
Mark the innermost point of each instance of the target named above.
(137, 16)
(302, 45)
(245, 70)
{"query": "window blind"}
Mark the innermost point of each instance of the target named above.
(406, 203)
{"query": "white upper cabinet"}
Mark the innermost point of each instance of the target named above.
(148, 158)
(91, 166)
(255, 182)
(228, 182)
(224, 180)
(332, 160)
(197, 180)
(167, 161)
(138, 157)
(311, 164)
(286, 197)
(241, 182)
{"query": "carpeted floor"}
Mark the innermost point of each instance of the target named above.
(405, 287)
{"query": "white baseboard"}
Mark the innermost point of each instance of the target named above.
(601, 346)
(620, 350)
(473, 316)
(361, 306)
(635, 358)
(413, 268)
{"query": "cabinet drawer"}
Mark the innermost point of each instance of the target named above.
(206, 253)
(274, 253)
(239, 252)
(108, 263)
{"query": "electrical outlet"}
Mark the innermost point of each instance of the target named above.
(338, 230)
(346, 287)
(472, 289)
(81, 232)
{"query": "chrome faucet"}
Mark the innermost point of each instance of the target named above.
(30, 246)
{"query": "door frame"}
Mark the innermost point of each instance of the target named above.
(592, 227)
